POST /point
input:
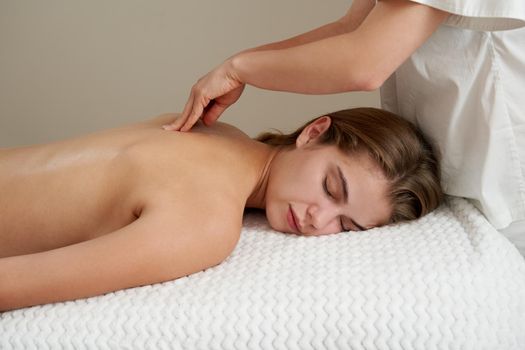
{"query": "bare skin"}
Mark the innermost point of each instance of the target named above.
(140, 205)
(99, 213)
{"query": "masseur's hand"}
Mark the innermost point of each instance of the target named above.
(209, 97)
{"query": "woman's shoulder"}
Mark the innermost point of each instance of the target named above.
(217, 128)
(221, 129)
(218, 161)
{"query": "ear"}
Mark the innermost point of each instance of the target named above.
(313, 130)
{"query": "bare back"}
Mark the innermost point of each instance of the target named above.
(121, 208)
(65, 192)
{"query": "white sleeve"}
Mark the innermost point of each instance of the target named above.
(484, 15)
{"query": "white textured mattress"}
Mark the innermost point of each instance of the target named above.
(447, 281)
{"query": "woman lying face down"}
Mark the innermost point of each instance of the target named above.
(139, 205)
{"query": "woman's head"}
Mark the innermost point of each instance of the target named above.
(381, 163)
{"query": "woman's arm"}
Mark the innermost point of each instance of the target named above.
(152, 249)
(358, 60)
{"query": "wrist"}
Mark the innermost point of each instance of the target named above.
(235, 67)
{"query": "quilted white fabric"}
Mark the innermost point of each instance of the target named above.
(447, 281)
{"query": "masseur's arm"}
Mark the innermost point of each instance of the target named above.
(349, 22)
(358, 60)
(214, 108)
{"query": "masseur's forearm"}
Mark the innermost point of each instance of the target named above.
(325, 31)
(358, 60)
(324, 66)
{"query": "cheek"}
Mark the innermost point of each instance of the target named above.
(332, 228)
(275, 215)
(297, 185)
(280, 189)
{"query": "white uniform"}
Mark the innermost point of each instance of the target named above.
(465, 88)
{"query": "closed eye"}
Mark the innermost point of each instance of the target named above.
(329, 194)
(357, 227)
(325, 187)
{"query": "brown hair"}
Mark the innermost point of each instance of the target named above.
(403, 154)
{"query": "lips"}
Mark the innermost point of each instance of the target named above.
(292, 220)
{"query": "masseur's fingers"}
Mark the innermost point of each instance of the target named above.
(186, 115)
(209, 97)
(200, 105)
(181, 120)
(216, 107)
(213, 112)
(193, 113)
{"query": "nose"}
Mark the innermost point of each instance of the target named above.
(322, 218)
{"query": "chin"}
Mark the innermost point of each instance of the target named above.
(273, 221)
(273, 224)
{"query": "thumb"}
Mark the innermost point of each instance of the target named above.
(213, 112)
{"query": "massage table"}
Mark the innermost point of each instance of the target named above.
(445, 281)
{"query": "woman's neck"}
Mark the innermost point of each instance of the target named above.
(257, 198)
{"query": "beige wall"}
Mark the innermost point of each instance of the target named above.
(69, 67)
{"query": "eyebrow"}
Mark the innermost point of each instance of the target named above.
(345, 195)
